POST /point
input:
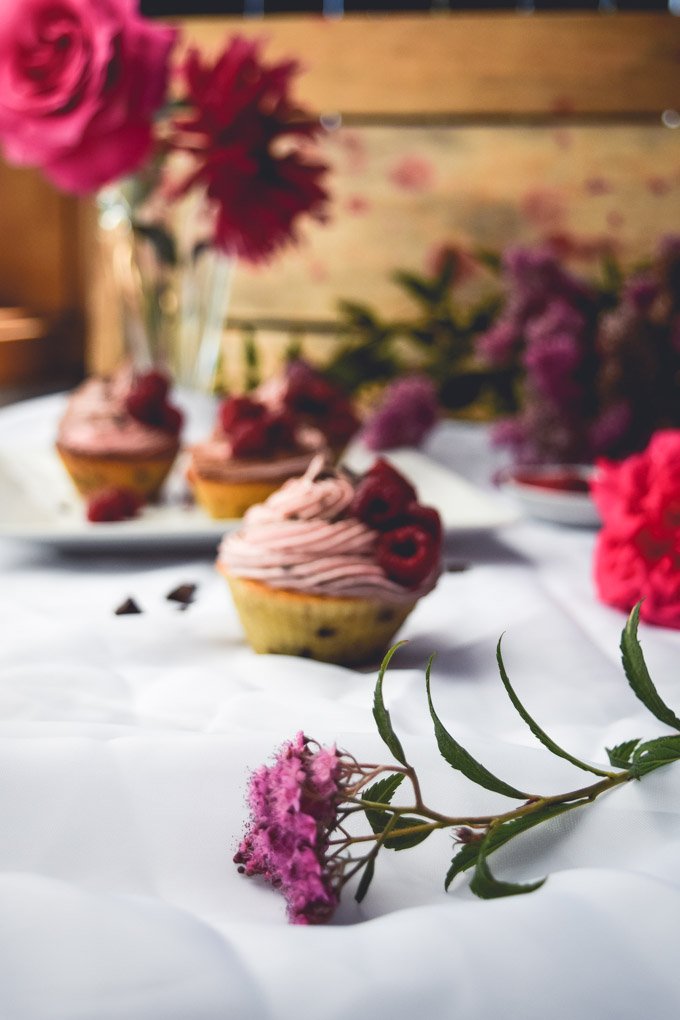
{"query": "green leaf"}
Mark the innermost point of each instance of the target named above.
(620, 756)
(501, 834)
(161, 241)
(417, 287)
(483, 883)
(383, 791)
(460, 759)
(533, 725)
(366, 879)
(382, 716)
(653, 754)
(638, 675)
(463, 859)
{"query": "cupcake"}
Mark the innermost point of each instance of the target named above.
(251, 452)
(120, 433)
(330, 565)
(314, 400)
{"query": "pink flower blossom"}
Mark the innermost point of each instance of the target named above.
(293, 806)
(79, 85)
(408, 412)
(637, 553)
(246, 137)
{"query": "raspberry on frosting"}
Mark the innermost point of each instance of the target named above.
(147, 402)
(255, 429)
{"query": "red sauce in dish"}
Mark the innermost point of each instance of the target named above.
(557, 480)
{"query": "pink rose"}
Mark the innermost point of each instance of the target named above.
(80, 81)
(637, 553)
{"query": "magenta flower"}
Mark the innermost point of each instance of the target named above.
(80, 83)
(407, 413)
(294, 805)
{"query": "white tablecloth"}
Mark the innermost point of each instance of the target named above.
(125, 745)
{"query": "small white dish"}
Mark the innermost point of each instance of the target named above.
(543, 492)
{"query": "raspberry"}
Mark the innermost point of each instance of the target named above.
(383, 469)
(113, 505)
(147, 402)
(407, 554)
(425, 517)
(378, 504)
(382, 496)
(249, 438)
(235, 410)
(172, 419)
(281, 431)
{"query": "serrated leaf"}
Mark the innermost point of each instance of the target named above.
(620, 755)
(484, 885)
(463, 859)
(461, 760)
(383, 791)
(637, 673)
(502, 834)
(382, 716)
(366, 879)
(533, 725)
(653, 754)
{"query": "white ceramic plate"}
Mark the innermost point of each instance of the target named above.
(461, 505)
(38, 504)
(554, 505)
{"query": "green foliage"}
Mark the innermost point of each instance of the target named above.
(480, 836)
(437, 340)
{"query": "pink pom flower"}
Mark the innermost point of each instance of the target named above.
(294, 805)
(637, 554)
(79, 85)
(408, 412)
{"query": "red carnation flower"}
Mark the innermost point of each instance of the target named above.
(242, 118)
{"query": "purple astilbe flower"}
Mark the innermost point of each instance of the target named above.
(552, 366)
(407, 413)
(294, 805)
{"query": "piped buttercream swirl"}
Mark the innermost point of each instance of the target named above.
(302, 538)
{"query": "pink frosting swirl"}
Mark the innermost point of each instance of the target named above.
(96, 423)
(303, 539)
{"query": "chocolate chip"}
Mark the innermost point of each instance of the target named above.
(304, 653)
(183, 594)
(325, 632)
(384, 615)
(127, 607)
(456, 568)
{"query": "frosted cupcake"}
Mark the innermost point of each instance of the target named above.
(252, 451)
(330, 566)
(120, 432)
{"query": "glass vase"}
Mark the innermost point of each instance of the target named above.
(170, 287)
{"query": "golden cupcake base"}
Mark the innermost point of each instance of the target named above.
(144, 475)
(229, 500)
(345, 631)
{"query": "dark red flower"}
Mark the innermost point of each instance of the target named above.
(245, 134)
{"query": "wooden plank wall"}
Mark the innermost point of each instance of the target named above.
(384, 81)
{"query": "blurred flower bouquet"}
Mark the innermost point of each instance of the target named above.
(209, 159)
(597, 365)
